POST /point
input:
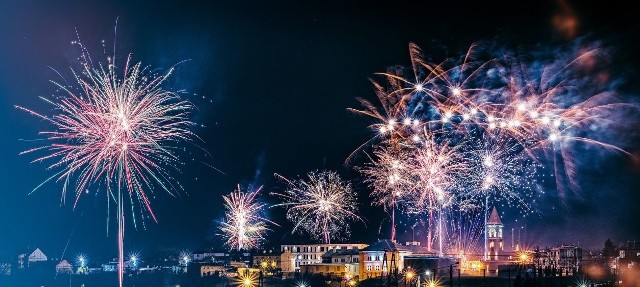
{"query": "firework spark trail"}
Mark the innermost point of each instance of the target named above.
(506, 119)
(115, 131)
(388, 175)
(244, 227)
(437, 171)
(321, 205)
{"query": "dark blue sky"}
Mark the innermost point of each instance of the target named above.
(276, 80)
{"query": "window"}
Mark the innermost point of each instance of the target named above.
(377, 267)
(369, 267)
(342, 260)
(369, 258)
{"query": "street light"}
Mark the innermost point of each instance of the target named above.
(408, 276)
(83, 264)
(134, 260)
(432, 283)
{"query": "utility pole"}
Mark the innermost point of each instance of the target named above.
(484, 277)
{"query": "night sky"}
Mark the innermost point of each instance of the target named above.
(272, 84)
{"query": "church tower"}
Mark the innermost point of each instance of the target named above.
(493, 234)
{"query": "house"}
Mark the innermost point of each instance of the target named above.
(204, 256)
(629, 264)
(266, 260)
(64, 267)
(210, 270)
(325, 269)
(305, 254)
(37, 256)
(383, 256)
(288, 262)
(349, 258)
(565, 259)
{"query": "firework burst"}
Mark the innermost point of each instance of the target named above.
(320, 205)
(243, 227)
(118, 131)
(479, 128)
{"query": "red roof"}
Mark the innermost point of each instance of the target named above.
(494, 218)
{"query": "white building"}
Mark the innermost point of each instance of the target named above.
(305, 254)
(377, 259)
(64, 267)
(37, 256)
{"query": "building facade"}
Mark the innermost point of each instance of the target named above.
(305, 254)
(267, 261)
(381, 257)
(326, 269)
(493, 232)
(565, 259)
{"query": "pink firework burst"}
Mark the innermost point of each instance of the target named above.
(117, 130)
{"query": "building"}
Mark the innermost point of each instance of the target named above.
(342, 256)
(383, 256)
(266, 260)
(288, 262)
(325, 269)
(628, 263)
(494, 245)
(25, 260)
(305, 254)
(210, 270)
(64, 267)
(629, 255)
(565, 259)
(205, 256)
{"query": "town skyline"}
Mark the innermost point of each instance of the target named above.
(272, 95)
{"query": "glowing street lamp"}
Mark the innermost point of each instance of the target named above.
(82, 260)
(408, 277)
(134, 260)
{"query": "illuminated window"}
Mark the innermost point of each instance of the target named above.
(377, 267)
(369, 267)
